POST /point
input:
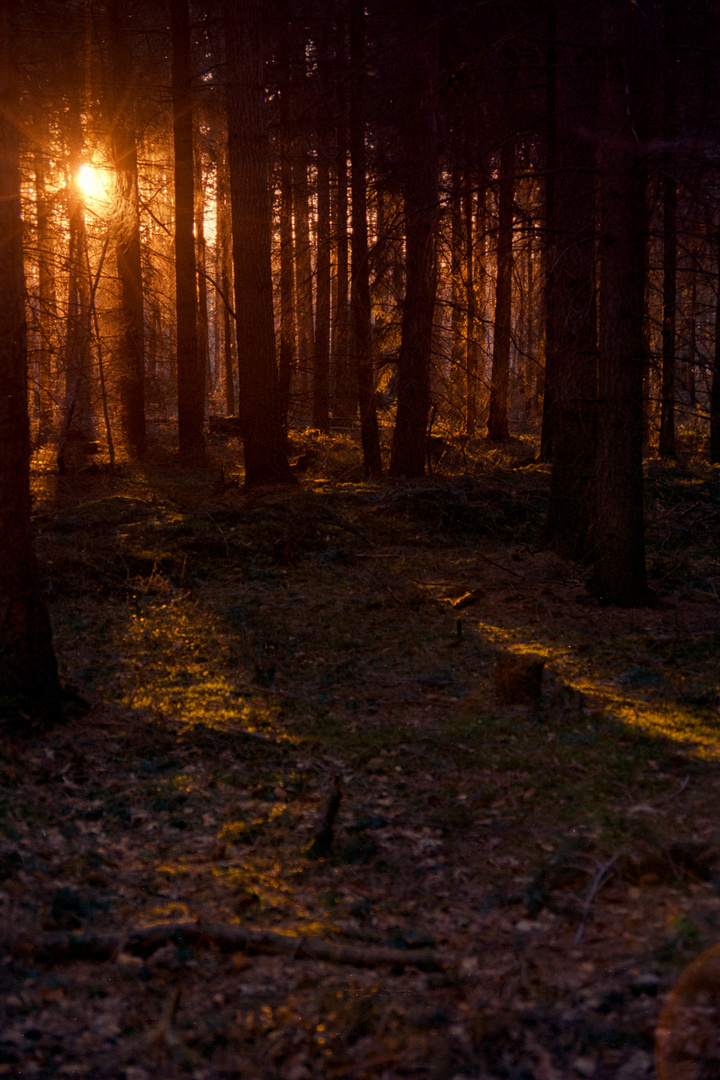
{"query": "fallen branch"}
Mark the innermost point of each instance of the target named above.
(599, 880)
(59, 947)
(499, 566)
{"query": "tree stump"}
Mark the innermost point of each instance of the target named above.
(518, 679)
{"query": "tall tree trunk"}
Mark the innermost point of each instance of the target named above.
(344, 398)
(471, 357)
(224, 256)
(421, 216)
(190, 374)
(263, 438)
(360, 294)
(618, 532)
(288, 348)
(78, 415)
(570, 291)
(203, 331)
(498, 429)
(47, 313)
(667, 445)
(715, 382)
(127, 230)
(548, 377)
(29, 686)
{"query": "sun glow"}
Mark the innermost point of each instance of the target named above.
(93, 182)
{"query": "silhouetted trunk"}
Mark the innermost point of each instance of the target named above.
(570, 290)
(29, 686)
(421, 215)
(618, 534)
(131, 351)
(78, 423)
(344, 397)
(715, 383)
(287, 246)
(547, 381)
(360, 295)
(667, 445)
(321, 351)
(47, 313)
(263, 438)
(498, 429)
(471, 358)
(204, 372)
(190, 374)
(224, 255)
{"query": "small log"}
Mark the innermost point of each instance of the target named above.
(61, 947)
(518, 679)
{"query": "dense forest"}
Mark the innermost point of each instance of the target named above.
(359, 632)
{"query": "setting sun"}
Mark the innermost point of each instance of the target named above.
(92, 182)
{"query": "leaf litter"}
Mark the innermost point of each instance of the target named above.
(498, 891)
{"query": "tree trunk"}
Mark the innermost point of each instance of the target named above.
(471, 360)
(715, 383)
(47, 313)
(421, 217)
(618, 534)
(203, 324)
(224, 257)
(344, 398)
(321, 352)
(264, 441)
(498, 429)
(127, 231)
(667, 445)
(190, 375)
(288, 349)
(570, 291)
(29, 686)
(360, 294)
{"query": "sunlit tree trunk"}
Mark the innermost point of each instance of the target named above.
(570, 290)
(201, 259)
(471, 356)
(498, 429)
(224, 257)
(29, 686)
(47, 313)
(78, 419)
(421, 216)
(360, 292)
(131, 353)
(321, 350)
(190, 371)
(344, 398)
(263, 438)
(288, 339)
(618, 527)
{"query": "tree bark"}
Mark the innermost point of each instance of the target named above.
(321, 350)
(29, 682)
(344, 398)
(498, 429)
(570, 291)
(471, 359)
(127, 231)
(618, 527)
(190, 376)
(667, 445)
(715, 381)
(360, 294)
(421, 217)
(263, 438)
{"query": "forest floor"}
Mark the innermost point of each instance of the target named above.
(540, 874)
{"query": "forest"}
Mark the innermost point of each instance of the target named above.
(359, 509)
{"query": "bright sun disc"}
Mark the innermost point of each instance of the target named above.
(89, 182)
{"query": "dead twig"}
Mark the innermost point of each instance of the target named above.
(61, 947)
(499, 566)
(387, 588)
(674, 795)
(598, 881)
